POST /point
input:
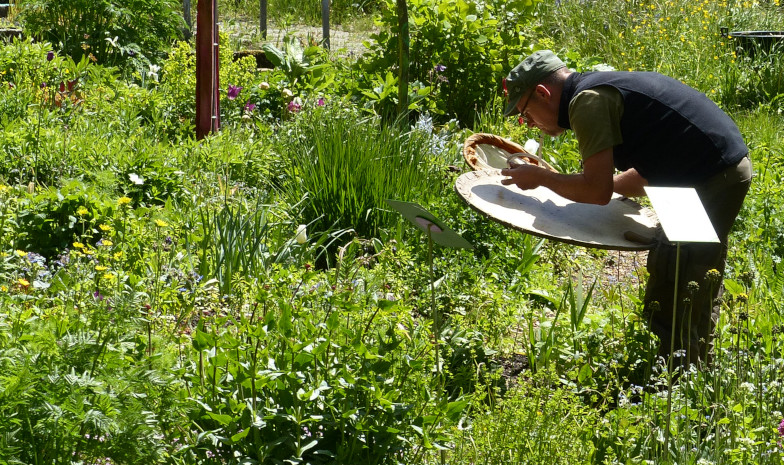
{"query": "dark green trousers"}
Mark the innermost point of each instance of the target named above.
(697, 311)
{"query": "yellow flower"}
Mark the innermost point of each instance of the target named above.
(100, 268)
(81, 211)
(107, 242)
(123, 200)
(21, 253)
(104, 227)
(117, 255)
(23, 282)
(108, 276)
(78, 245)
(4, 288)
(161, 223)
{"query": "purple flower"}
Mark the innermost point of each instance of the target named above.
(50, 55)
(233, 92)
(249, 107)
(294, 106)
(781, 428)
(321, 102)
(43, 85)
(439, 68)
(97, 296)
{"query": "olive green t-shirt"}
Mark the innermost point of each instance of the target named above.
(595, 117)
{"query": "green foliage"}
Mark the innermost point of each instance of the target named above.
(113, 32)
(538, 422)
(347, 166)
(681, 39)
(313, 375)
(49, 221)
(460, 51)
(159, 305)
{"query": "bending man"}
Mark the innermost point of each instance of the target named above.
(655, 131)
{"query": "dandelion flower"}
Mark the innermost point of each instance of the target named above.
(21, 253)
(104, 227)
(78, 245)
(161, 223)
(123, 201)
(81, 211)
(100, 268)
(23, 282)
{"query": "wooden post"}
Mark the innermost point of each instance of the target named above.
(207, 69)
(325, 22)
(403, 45)
(263, 18)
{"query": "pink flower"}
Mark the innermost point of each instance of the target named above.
(781, 428)
(249, 107)
(294, 107)
(321, 102)
(233, 92)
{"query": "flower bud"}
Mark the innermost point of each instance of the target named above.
(302, 234)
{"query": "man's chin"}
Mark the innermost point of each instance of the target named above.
(553, 132)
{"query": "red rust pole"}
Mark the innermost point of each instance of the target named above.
(207, 67)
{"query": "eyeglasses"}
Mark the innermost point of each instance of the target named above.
(524, 109)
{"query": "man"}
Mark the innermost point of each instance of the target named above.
(655, 131)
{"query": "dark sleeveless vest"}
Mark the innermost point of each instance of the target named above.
(673, 135)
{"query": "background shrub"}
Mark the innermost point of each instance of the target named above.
(111, 32)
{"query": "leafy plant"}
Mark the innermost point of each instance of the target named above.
(346, 166)
(460, 50)
(112, 32)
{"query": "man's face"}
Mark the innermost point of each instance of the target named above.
(540, 110)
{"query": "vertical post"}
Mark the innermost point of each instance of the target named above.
(207, 67)
(403, 42)
(263, 18)
(325, 22)
(186, 15)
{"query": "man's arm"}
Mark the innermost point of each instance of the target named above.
(593, 185)
(630, 183)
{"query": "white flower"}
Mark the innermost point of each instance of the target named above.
(264, 85)
(287, 93)
(531, 146)
(302, 234)
(153, 73)
(136, 179)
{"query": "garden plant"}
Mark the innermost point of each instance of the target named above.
(250, 297)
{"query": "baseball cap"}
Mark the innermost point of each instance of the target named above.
(527, 74)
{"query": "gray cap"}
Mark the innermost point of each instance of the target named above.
(527, 74)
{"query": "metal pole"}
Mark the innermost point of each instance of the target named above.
(186, 15)
(403, 43)
(263, 18)
(325, 22)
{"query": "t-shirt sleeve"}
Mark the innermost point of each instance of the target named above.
(595, 117)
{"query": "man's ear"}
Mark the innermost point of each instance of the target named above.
(543, 91)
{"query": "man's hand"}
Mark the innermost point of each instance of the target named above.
(593, 185)
(524, 176)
